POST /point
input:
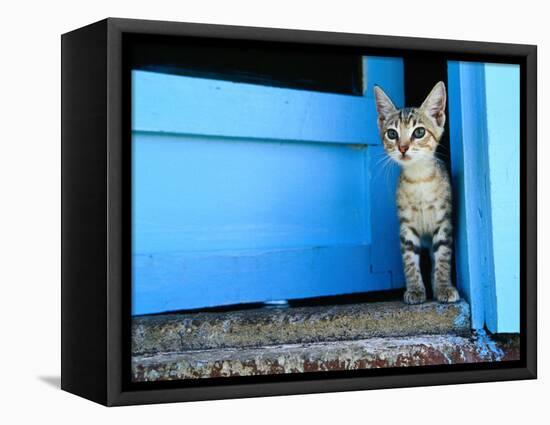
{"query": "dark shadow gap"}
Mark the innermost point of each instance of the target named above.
(362, 297)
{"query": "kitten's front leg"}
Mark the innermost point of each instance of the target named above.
(444, 291)
(410, 249)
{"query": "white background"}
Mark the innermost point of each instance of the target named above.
(30, 210)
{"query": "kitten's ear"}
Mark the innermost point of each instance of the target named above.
(434, 105)
(384, 106)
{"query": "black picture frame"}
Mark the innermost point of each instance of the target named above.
(96, 229)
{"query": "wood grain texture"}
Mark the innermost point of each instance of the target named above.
(184, 105)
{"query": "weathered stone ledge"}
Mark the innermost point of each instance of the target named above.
(420, 350)
(265, 327)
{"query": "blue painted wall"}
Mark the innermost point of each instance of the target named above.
(245, 193)
(484, 125)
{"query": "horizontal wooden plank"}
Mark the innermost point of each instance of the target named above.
(174, 281)
(193, 193)
(163, 103)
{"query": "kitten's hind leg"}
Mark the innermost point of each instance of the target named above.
(410, 249)
(443, 289)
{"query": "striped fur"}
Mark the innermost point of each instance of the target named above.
(410, 137)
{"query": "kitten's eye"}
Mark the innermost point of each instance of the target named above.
(391, 134)
(419, 132)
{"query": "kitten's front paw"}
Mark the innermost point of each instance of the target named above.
(415, 296)
(447, 294)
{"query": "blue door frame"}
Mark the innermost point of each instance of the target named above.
(245, 193)
(484, 113)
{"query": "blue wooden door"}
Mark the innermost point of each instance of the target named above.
(244, 193)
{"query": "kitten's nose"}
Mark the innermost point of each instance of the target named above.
(403, 149)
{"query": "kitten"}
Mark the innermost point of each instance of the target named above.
(410, 137)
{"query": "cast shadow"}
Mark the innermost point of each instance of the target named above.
(54, 381)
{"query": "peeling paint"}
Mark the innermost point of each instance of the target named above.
(486, 346)
(310, 339)
(369, 353)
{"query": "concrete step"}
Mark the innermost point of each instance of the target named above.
(264, 327)
(419, 350)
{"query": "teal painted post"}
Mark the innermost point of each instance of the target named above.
(503, 114)
(470, 179)
(484, 126)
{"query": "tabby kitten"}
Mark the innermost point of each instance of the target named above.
(410, 137)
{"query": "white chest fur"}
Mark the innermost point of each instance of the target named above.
(420, 205)
(423, 197)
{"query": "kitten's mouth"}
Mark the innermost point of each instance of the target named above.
(405, 158)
